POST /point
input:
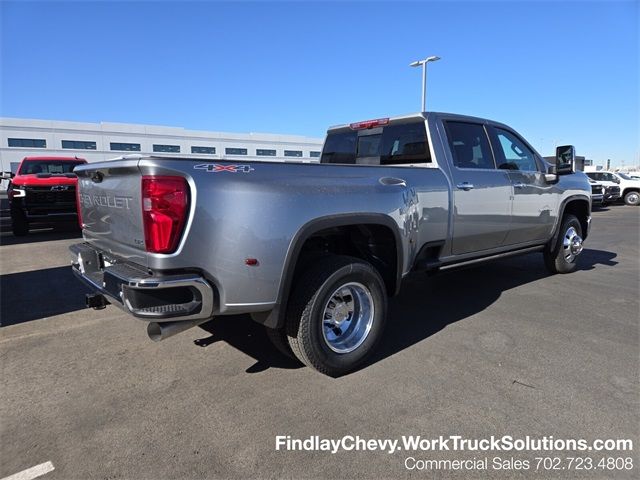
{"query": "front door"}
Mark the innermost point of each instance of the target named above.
(481, 192)
(533, 199)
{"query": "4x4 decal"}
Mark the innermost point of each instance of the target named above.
(215, 168)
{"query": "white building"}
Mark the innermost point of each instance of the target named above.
(94, 142)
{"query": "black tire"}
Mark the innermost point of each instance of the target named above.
(19, 224)
(306, 313)
(278, 337)
(632, 198)
(556, 260)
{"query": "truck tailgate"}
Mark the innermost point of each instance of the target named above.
(110, 201)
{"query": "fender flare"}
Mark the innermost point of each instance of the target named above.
(276, 317)
(563, 205)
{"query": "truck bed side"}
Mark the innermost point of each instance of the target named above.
(255, 210)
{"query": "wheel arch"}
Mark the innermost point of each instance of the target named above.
(275, 318)
(579, 206)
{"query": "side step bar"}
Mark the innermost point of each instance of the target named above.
(497, 256)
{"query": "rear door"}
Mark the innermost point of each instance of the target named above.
(421, 190)
(533, 198)
(481, 192)
(111, 208)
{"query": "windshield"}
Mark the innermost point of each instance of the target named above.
(625, 176)
(33, 167)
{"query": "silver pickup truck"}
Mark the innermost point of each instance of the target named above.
(313, 251)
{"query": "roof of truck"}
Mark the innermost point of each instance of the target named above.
(426, 115)
(62, 159)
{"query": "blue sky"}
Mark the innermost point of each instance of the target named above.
(564, 72)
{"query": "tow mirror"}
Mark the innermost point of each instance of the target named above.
(7, 175)
(565, 159)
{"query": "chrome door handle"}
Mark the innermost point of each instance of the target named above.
(393, 181)
(519, 185)
(464, 186)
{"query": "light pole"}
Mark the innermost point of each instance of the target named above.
(424, 62)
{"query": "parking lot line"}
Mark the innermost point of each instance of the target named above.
(33, 472)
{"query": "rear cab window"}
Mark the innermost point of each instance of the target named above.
(340, 147)
(401, 143)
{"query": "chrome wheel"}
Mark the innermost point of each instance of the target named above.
(632, 198)
(571, 244)
(347, 317)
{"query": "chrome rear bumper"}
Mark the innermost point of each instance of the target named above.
(150, 297)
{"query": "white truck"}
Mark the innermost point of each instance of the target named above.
(629, 187)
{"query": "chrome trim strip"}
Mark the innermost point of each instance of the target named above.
(493, 257)
(260, 304)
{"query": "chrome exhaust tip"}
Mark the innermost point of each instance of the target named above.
(159, 331)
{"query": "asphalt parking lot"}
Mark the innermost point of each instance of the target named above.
(500, 349)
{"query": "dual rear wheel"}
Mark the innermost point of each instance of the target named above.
(335, 316)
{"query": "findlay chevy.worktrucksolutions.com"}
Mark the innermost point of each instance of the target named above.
(456, 443)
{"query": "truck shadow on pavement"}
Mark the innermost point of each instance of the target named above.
(425, 306)
(41, 236)
(27, 296)
(241, 332)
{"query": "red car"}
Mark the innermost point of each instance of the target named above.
(43, 191)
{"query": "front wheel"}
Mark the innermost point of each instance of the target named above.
(336, 314)
(562, 259)
(19, 224)
(632, 198)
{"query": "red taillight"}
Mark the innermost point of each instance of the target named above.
(164, 209)
(380, 122)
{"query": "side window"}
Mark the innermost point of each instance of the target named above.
(340, 148)
(405, 143)
(469, 145)
(515, 154)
